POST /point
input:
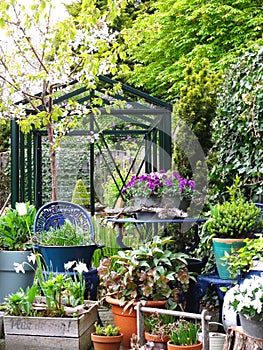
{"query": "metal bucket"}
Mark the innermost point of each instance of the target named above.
(216, 339)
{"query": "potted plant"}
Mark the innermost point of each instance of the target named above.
(158, 328)
(229, 223)
(52, 308)
(247, 301)
(108, 338)
(65, 243)
(185, 336)
(247, 259)
(150, 272)
(159, 189)
(16, 227)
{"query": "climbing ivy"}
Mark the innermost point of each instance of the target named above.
(238, 127)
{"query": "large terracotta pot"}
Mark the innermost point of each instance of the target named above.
(126, 320)
(197, 346)
(106, 342)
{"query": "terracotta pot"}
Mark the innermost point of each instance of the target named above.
(127, 320)
(197, 346)
(101, 342)
(159, 342)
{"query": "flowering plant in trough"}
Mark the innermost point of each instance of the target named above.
(52, 294)
(168, 184)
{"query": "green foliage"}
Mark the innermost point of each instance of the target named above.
(80, 194)
(56, 291)
(4, 136)
(197, 108)
(185, 333)
(16, 227)
(65, 235)
(233, 219)
(109, 330)
(175, 32)
(160, 324)
(238, 127)
(148, 272)
(246, 257)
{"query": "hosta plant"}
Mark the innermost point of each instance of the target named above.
(149, 272)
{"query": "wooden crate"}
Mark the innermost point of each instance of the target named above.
(50, 333)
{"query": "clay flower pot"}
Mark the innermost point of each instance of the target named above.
(127, 320)
(104, 342)
(197, 346)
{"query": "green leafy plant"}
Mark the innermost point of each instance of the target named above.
(185, 333)
(109, 330)
(159, 324)
(65, 235)
(60, 294)
(238, 125)
(246, 257)
(16, 227)
(233, 219)
(148, 272)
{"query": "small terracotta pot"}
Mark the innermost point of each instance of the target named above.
(127, 320)
(197, 346)
(159, 342)
(101, 342)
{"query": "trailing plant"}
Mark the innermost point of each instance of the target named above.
(16, 227)
(109, 330)
(247, 257)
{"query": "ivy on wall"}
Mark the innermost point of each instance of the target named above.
(238, 127)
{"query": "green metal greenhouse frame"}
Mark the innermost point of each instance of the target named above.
(151, 116)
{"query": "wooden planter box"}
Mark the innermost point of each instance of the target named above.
(50, 333)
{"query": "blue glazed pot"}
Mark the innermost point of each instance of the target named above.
(56, 256)
(221, 246)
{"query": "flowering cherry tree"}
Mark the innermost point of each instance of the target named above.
(40, 58)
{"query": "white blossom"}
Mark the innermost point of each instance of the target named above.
(21, 208)
(19, 267)
(81, 267)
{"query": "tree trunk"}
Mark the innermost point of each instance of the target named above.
(236, 339)
(53, 165)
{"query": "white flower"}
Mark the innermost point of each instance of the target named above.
(21, 208)
(31, 258)
(81, 267)
(19, 267)
(248, 297)
(69, 264)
